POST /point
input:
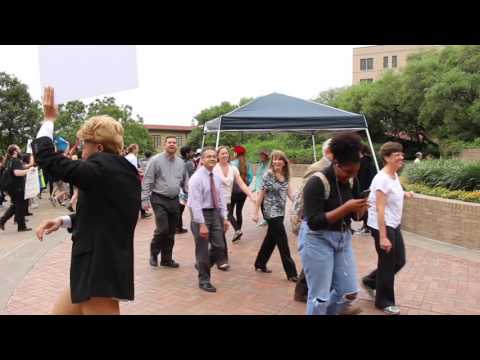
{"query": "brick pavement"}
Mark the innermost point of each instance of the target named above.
(437, 279)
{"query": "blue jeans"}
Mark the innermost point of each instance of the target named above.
(330, 269)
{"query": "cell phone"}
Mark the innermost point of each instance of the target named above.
(364, 194)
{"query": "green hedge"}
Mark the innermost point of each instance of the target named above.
(468, 196)
(449, 174)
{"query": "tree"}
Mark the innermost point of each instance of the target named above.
(70, 118)
(20, 117)
(73, 114)
(452, 103)
(210, 113)
(328, 96)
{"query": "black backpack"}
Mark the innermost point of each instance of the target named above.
(6, 177)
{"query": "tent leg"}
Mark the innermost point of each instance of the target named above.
(218, 138)
(373, 151)
(314, 148)
(203, 141)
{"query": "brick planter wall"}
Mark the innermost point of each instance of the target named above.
(451, 221)
(470, 154)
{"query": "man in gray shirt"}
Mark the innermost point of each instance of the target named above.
(165, 175)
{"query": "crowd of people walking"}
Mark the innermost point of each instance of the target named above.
(110, 189)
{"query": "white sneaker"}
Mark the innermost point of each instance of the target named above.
(392, 310)
(263, 223)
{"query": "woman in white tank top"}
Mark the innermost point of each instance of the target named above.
(229, 174)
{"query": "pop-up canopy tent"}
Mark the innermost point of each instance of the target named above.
(282, 113)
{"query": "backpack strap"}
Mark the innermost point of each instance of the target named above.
(326, 184)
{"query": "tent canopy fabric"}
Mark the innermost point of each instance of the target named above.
(278, 112)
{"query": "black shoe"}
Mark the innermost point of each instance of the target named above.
(207, 287)
(70, 208)
(237, 236)
(293, 279)
(29, 214)
(24, 229)
(2, 226)
(153, 260)
(263, 269)
(300, 298)
(196, 266)
(181, 231)
(171, 264)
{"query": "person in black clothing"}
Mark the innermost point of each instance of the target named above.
(365, 176)
(187, 155)
(331, 200)
(16, 191)
(101, 270)
(2, 168)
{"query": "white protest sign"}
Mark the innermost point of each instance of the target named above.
(32, 184)
(82, 71)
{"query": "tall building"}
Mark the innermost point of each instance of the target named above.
(370, 62)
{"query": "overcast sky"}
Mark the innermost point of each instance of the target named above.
(177, 82)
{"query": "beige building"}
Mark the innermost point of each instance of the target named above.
(160, 132)
(370, 62)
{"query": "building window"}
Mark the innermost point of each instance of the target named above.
(370, 64)
(157, 141)
(385, 62)
(366, 80)
(180, 141)
(363, 64)
(366, 64)
(394, 61)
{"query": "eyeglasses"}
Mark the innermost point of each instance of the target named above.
(82, 143)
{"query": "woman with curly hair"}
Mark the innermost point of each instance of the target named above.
(325, 241)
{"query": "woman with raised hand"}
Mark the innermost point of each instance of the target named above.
(101, 269)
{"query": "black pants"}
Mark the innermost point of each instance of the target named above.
(180, 217)
(18, 207)
(166, 217)
(238, 200)
(2, 197)
(383, 278)
(212, 250)
(276, 235)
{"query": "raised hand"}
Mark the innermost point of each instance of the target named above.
(50, 110)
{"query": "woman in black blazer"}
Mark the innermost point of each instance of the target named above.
(101, 270)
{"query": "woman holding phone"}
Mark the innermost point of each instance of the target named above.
(331, 201)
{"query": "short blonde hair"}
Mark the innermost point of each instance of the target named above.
(103, 130)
